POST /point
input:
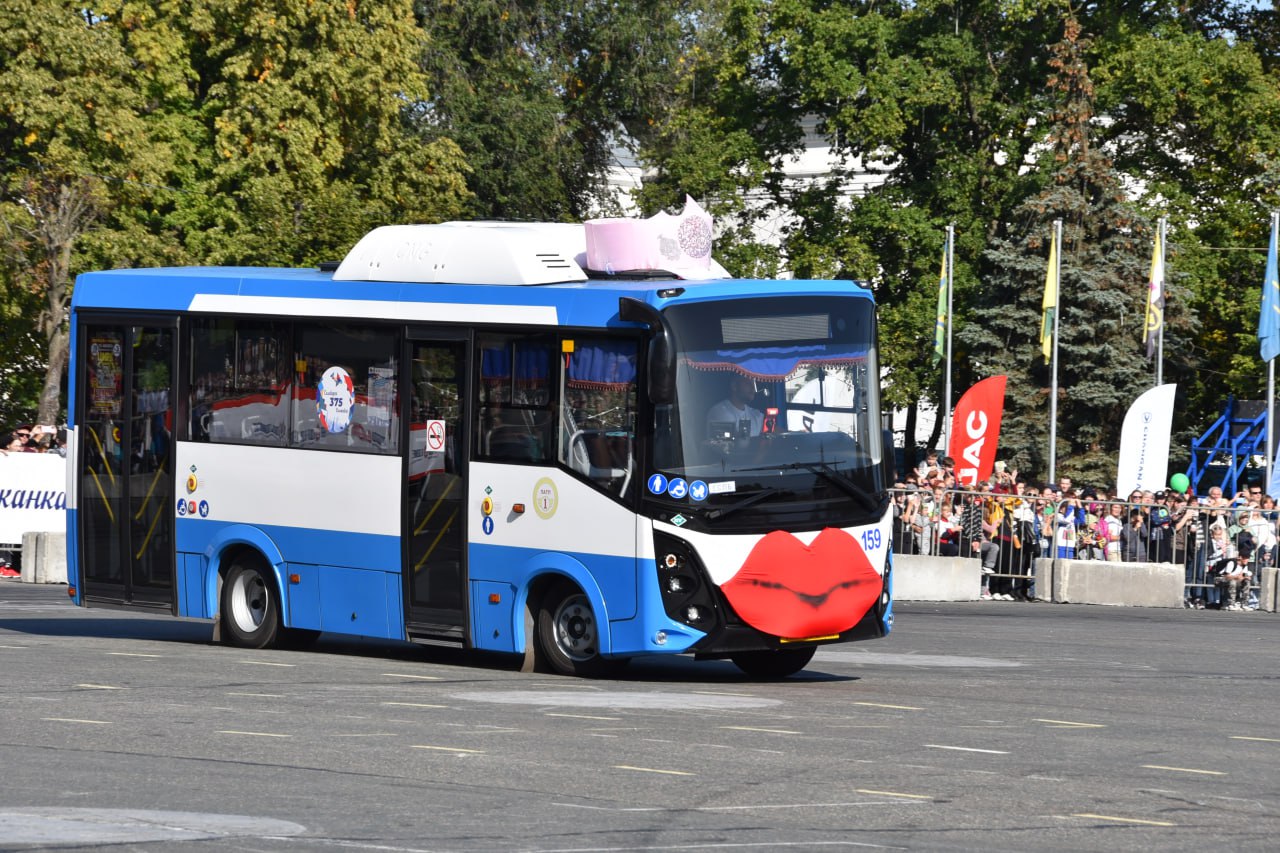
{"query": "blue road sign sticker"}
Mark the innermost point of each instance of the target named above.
(487, 525)
(204, 509)
(698, 490)
(182, 506)
(657, 484)
(678, 488)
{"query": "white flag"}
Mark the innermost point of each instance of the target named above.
(1144, 441)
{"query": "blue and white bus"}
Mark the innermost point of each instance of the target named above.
(459, 434)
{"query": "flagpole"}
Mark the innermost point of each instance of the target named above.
(1271, 364)
(1164, 294)
(951, 288)
(1053, 374)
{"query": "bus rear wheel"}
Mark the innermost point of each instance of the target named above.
(569, 633)
(777, 664)
(250, 605)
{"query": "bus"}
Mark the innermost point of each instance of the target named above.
(462, 434)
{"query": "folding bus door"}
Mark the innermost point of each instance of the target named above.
(435, 488)
(125, 474)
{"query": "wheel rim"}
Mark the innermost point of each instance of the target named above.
(248, 601)
(575, 626)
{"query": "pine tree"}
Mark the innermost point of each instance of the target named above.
(1106, 245)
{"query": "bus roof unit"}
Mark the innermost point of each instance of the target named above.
(469, 253)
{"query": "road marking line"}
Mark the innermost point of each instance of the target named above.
(260, 695)
(894, 707)
(652, 770)
(1124, 819)
(1068, 724)
(369, 734)
(967, 749)
(13, 647)
(448, 749)
(250, 734)
(133, 655)
(1185, 770)
(405, 675)
(100, 687)
(1263, 739)
(74, 720)
(759, 729)
(267, 663)
(581, 716)
(893, 794)
(414, 705)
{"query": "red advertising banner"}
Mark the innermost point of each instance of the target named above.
(975, 430)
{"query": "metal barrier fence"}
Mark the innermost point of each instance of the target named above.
(1222, 549)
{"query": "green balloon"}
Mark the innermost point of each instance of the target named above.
(1179, 483)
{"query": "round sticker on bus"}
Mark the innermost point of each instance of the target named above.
(335, 395)
(545, 498)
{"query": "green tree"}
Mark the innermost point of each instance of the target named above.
(309, 110)
(1101, 366)
(540, 96)
(78, 138)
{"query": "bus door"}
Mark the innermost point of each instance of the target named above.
(126, 492)
(434, 537)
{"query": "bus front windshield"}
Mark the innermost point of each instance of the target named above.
(776, 398)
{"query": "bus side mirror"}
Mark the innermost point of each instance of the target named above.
(661, 368)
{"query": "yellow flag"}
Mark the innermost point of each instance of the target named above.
(1049, 306)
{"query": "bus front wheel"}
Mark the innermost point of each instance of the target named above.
(250, 605)
(569, 633)
(778, 664)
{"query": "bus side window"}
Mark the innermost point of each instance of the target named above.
(240, 386)
(346, 380)
(516, 400)
(597, 421)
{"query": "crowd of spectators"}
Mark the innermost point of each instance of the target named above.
(1007, 522)
(29, 439)
(36, 439)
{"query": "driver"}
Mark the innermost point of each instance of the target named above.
(732, 417)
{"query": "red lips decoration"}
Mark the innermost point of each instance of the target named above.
(788, 589)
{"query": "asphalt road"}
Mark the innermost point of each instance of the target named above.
(975, 726)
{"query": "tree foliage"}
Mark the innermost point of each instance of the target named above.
(225, 131)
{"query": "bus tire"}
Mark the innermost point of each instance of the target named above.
(569, 633)
(777, 664)
(250, 605)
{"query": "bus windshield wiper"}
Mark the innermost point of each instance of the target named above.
(768, 492)
(832, 475)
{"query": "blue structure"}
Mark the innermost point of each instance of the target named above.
(1238, 435)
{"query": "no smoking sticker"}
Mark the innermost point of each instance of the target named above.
(435, 436)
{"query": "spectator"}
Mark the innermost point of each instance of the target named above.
(948, 527)
(1024, 542)
(906, 521)
(1219, 552)
(1188, 547)
(1089, 539)
(1234, 576)
(1159, 528)
(1109, 528)
(1261, 526)
(929, 467)
(1133, 538)
(975, 541)
(17, 440)
(1069, 519)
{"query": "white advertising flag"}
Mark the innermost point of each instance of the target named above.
(1144, 441)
